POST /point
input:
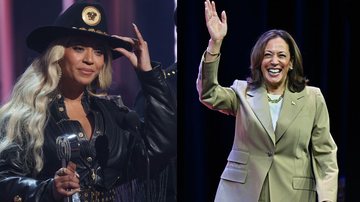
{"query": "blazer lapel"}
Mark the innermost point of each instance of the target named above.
(258, 102)
(292, 104)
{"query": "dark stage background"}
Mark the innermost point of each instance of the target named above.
(324, 31)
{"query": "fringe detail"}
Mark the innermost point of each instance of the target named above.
(136, 190)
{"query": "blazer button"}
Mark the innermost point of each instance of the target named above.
(270, 154)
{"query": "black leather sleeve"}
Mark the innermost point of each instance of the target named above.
(15, 183)
(160, 121)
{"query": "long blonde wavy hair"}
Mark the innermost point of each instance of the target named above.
(23, 118)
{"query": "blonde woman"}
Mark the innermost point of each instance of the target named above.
(60, 95)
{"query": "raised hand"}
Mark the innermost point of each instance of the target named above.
(217, 28)
(139, 57)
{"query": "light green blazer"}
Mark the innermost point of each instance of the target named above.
(299, 157)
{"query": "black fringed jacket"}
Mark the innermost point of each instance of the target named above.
(113, 156)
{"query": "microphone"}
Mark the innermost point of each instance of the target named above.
(68, 147)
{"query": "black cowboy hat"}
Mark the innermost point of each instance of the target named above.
(82, 18)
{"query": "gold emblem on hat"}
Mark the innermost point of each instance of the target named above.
(91, 15)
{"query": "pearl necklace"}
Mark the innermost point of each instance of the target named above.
(275, 100)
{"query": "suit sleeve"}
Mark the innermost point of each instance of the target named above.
(324, 153)
(211, 94)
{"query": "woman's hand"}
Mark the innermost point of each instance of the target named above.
(66, 182)
(217, 28)
(139, 57)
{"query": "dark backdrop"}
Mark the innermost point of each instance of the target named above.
(324, 31)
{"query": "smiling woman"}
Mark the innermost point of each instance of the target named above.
(282, 148)
(83, 61)
(275, 65)
(61, 95)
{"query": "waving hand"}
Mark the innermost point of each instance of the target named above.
(217, 28)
